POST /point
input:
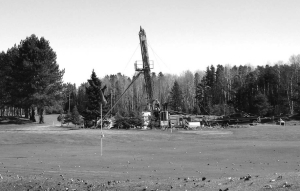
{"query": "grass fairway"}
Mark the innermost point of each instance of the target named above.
(43, 156)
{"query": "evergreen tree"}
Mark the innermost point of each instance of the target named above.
(36, 78)
(3, 82)
(82, 98)
(196, 109)
(203, 98)
(14, 79)
(76, 120)
(219, 88)
(161, 79)
(176, 98)
(261, 104)
(93, 92)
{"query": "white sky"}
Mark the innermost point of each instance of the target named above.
(186, 34)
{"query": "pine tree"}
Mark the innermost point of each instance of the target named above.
(261, 104)
(36, 80)
(5, 69)
(203, 97)
(93, 92)
(176, 99)
(82, 98)
(76, 120)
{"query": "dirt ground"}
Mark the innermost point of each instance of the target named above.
(50, 157)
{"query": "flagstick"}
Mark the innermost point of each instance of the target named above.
(101, 126)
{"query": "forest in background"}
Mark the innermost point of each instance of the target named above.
(30, 78)
(220, 90)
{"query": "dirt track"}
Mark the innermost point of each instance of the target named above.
(130, 158)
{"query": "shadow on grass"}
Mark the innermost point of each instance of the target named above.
(14, 120)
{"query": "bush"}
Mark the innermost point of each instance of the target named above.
(68, 118)
(60, 118)
(73, 117)
(128, 122)
(133, 120)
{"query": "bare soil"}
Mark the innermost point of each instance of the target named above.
(50, 157)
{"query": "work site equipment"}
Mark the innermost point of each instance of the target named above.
(156, 117)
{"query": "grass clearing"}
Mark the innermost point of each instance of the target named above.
(41, 156)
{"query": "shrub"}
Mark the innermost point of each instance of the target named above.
(132, 120)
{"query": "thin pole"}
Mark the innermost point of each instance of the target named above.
(111, 102)
(69, 101)
(101, 126)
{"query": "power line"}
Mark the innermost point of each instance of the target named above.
(157, 60)
(133, 80)
(159, 57)
(131, 57)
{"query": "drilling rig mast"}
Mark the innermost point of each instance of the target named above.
(146, 67)
(158, 118)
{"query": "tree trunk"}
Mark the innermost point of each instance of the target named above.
(32, 115)
(41, 115)
(26, 113)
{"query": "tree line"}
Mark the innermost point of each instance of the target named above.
(31, 78)
(264, 90)
(221, 90)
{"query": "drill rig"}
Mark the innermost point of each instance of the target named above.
(146, 68)
(158, 118)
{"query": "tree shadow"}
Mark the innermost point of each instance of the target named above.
(5, 120)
